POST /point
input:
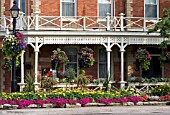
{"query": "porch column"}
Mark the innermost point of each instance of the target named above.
(36, 49)
(122, 82)
(108, 63)
(36, 63)
(122, 50)
(22, 84)
(108, 47)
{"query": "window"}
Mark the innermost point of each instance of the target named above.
(72, 57)
(68, 7)
(104, 7)
(102, 62)
(21, 5)
(151, 8)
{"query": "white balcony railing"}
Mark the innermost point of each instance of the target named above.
(117, 23)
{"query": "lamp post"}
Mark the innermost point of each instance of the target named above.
(14, 13)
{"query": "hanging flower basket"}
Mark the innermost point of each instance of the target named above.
(143, 58)
(86, 58)
(58, 58)
(13, 45)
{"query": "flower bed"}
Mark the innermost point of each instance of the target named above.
(59, 98)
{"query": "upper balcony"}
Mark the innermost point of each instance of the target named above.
(83, 23)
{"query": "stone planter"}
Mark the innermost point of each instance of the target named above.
(73, 106)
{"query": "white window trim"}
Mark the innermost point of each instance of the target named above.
(77, 58)
(72, 18)
(19, 5)
(111, 66)
(112, 10)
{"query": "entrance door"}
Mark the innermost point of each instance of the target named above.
(155, 69)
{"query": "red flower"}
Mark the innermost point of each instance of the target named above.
(49, 74)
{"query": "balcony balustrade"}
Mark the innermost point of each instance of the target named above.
(83, 23)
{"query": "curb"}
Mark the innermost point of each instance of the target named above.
(166, 103)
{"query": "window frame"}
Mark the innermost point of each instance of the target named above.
(112, 3)
(75, 9)
(100, 48)
(157, 4)
(19, 3)
(69, 47)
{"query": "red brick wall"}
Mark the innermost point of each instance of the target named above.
(28, 7)
(117, 73)
(7, 7)
(139, 5)
(84, 7)
(119, 7)
(167, 70)
(7, 82)
(87, 7)
(50, 8)
(92, 71)
(1, 43)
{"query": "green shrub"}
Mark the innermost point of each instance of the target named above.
(29, 83)
(160, 90)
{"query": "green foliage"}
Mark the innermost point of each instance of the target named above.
(163, 57)
(163, 25)
(162, 60)
(106, 82)
(82, 80)
(29, 83)
(160, 90)
(147, 80)
(164, 44)
(69, 74)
